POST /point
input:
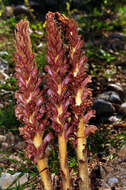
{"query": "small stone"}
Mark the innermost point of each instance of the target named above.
(112, 181)
(123, 108)
(114, 119)
(103, 107)
(9, 11)
(6, 179)
(1, 105)
(117, 35)
(4, 145)
(122, 152)
(22, 179)
(117, 88)
(2, 138)
(109, 72)
(110, 96)
(3, 76)
(20, 9)
(3, 53)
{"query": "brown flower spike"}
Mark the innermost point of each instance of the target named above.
(30, 102)
(58, 80)
(82, 96)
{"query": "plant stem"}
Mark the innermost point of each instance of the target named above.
(42, 165)
(63, 155)
(63, 161)
(84, 183)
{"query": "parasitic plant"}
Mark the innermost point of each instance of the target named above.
(30, 103)
(58, 79)
(64, 104)
(80, 96)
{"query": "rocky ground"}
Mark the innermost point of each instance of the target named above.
(107, 148)
(108, 167)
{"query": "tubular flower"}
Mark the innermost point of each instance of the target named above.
(30, 102)
(58, 80)
(82, 96)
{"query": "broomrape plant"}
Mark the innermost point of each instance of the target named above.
(62, 108)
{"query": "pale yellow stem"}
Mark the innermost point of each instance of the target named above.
(63, 155)
(44, 173)
(63, 161)
(42, 165)
(84, 183)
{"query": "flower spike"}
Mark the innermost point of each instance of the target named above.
(82, 96)
(58, 82)
(30, 102)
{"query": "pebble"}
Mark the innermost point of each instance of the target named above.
(3, 69)
(20, 9)
(112, 181)
(6, 179)
(103, 107)
(9, 11)
(1, 105)
(122, 152)
(114, 119)
(116, 88)
(4, 146)
(123, 109)
(2, 138)
(3, 66)
(110, 96)
(109, 72)
(117, 35)
(116, 177)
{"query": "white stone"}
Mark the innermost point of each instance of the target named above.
(2, 138)
(6, 179)
(113, 181)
